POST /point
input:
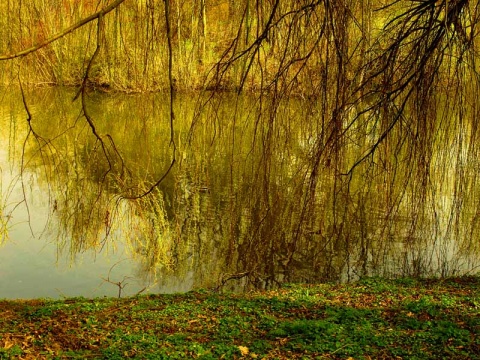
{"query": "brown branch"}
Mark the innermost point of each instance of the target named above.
(170, 74)
(66, 31)
(150, 190)
(227, 277)
(171, 105)
(83, 92)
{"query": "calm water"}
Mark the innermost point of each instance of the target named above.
(35, 258)
(30, 263)
(256, 197)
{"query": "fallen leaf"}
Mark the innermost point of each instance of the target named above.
(244, 350)
(8, 344)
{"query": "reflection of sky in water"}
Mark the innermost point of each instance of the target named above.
(28, 263)
(29, 267)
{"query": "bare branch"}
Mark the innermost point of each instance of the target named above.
(66, 31)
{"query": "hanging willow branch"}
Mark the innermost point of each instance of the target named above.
(171, 104)
(231, 56)
(420, 40)
(83, 92)
(86, 113)
(99, 16)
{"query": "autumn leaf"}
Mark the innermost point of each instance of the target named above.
(244, 350)
(8, 344)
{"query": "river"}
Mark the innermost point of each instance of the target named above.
(257, 196)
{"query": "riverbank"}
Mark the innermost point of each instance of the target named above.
(370, 319)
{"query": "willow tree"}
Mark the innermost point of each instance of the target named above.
(380, 89)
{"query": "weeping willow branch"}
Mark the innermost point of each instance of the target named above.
(223, 66)
(171, 104)
(22, 166)
(420, 40)
(170, 75)
(83, 91)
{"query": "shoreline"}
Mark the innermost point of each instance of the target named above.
(376, 318)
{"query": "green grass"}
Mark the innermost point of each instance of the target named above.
(370, 319)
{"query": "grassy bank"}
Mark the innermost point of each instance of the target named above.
(371, 319)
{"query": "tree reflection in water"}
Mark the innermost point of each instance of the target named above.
(254, 199)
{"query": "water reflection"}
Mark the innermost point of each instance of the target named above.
(30, 263)
(256, 196)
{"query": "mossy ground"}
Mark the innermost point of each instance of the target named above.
(370, 319)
